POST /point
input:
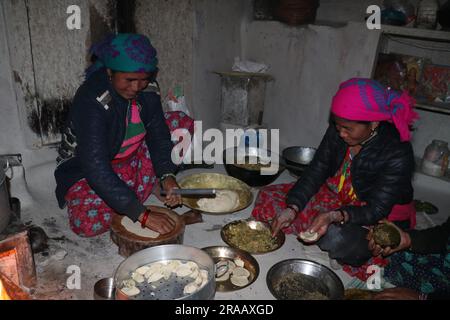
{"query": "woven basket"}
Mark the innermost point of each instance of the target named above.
(296, 12)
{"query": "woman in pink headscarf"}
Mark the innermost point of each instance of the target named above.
(360, 174)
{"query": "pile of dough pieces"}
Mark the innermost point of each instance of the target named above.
(157, 271)
(237, 274)
(225, 200)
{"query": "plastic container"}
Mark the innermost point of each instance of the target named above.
(436, 158)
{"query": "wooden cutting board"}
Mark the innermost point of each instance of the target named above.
(130, 243)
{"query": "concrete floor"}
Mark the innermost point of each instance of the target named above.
(98, 258)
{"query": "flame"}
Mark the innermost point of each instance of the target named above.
(3, 294)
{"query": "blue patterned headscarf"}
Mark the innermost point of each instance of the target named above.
(124, 52)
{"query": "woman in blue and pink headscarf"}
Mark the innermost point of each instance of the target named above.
(117, 142)
(360, 174)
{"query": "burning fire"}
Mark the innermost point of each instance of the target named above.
(3, 294)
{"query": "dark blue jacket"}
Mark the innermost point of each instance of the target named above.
(93, 136)
(381, 174)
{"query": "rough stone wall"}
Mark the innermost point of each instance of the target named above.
(218, 39)
(308, 64)
(48, 59)
(170, 25)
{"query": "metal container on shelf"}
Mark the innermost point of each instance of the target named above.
(436, 158)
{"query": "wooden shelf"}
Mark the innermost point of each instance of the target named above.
(434, 107)
(435, 35)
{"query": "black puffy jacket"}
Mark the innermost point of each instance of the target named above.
(381, 174)
(93, 136)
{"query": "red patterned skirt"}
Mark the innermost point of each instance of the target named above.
(89, 215)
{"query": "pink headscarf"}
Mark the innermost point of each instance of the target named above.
(367, 100)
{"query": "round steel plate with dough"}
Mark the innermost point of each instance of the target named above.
(216, 181)
(223, 253)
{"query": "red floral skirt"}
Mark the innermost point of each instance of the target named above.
(89, 215)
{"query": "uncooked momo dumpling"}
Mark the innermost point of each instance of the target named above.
(190, 288)
(183, 271)
(239, 281)
(131, 291)
(241, 272)
(139, 278)
(309, 236)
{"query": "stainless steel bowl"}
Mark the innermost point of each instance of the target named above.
(298, 157)
(164, 253)
(325, 277)
(220, 253)
(104, 289)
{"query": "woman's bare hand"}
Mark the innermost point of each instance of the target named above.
(159, 222)
(377, 250)
(171, 200)
(282, 220)
(397, 294)
(320, 225)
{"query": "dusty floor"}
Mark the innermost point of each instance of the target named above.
(97, 258)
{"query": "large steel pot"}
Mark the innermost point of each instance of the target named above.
(5, 209)
(168, 252)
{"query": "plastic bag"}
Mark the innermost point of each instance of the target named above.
(176, 101)
(249, 66)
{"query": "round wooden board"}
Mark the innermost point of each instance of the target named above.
(130, 243)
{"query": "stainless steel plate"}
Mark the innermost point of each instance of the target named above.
(220, 253)
(324, 277)
(255, 225)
